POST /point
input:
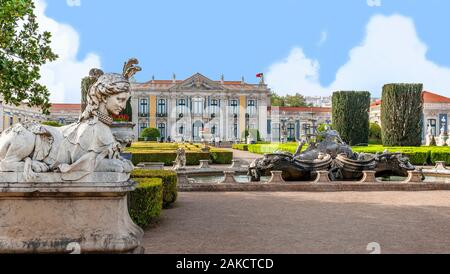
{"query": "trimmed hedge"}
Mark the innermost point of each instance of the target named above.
(146, 201)
(192, 158)
(401, 112)
(169, 179)
(417, 155)
(350, 116)
(221, 157)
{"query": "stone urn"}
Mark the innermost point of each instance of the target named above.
(123, 132)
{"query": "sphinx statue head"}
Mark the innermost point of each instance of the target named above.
(109, 94)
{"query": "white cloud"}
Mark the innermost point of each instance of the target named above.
(374, 3)
(390, 52)
(295, 73)
(323, 38)
(73, 3)
(63, 76)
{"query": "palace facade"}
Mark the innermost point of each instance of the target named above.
(187, 110)
(198, 107)
(436, 112)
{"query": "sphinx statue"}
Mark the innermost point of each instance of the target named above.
(78, 149)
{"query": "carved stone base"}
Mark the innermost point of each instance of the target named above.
(204, 164)
(229, 178)
(61, 217)
(276, 178)
(414, 177)
(322, 177)
(368, 177)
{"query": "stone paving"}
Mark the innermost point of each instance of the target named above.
(288, 222)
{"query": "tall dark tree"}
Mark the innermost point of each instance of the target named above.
(350, 115)
(401, 110)
(23, 50)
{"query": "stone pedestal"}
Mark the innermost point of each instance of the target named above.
(52, 215)
(414, 177)
(229, 178)
(322, 177)
(440, 165)
(204, 164)
(276, 178)
(368, 177)
(236, 164)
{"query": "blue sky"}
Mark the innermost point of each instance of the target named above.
(299, 45)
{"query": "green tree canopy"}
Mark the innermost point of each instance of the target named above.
(151, 134)
(23, 50)
(296, 100)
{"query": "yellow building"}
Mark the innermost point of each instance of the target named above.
(12, 114)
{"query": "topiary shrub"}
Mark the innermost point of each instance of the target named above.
(350, 115)
(150, 134)
(221, 157)
(169, 179)
(401, 110)
(52, 124)
(145, 202)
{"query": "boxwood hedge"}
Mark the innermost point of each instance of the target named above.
(169, 179)
(145, 203)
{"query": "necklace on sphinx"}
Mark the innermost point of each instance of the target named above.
(104, 118)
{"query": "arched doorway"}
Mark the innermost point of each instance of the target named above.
(197, 126)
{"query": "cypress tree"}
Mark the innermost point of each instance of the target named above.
(401, 109)
(350, 115)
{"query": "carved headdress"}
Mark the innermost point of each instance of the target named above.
(104, 85)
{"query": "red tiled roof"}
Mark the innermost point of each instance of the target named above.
(428, 97)
(376, 103)
(67, 107)
(301, 109)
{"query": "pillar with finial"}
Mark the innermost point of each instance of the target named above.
(242, 80)
(153, 78)
(222, 79)
(174, 78)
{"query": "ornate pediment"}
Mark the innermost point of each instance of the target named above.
(197, 82)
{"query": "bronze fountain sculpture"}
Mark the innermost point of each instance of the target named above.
(330, 154)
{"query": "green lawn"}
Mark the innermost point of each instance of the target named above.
(418, 155)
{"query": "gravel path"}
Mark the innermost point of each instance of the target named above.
(342, 222)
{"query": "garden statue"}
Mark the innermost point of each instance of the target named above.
(77, 149)
(69, 186)
(429, 136)
(180, 161)
(330, 154)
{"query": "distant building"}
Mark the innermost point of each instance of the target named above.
(12, 114)
(318, 101)
(436, 112)
(198, 107)
(65, 114)
(295, 123)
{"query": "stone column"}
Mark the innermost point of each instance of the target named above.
(262, 117)
(322, 177)
(135, 114)
(171, 117)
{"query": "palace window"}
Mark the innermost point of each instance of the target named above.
(291, 132)
(182, 106)
(162, 106)
(197, 106)
(214, 106)
(181, 129)
(213, 130)
(432, 123)
(162, 131)
(142, 126)
(234, 106)
(251, 107)
(143, 107)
